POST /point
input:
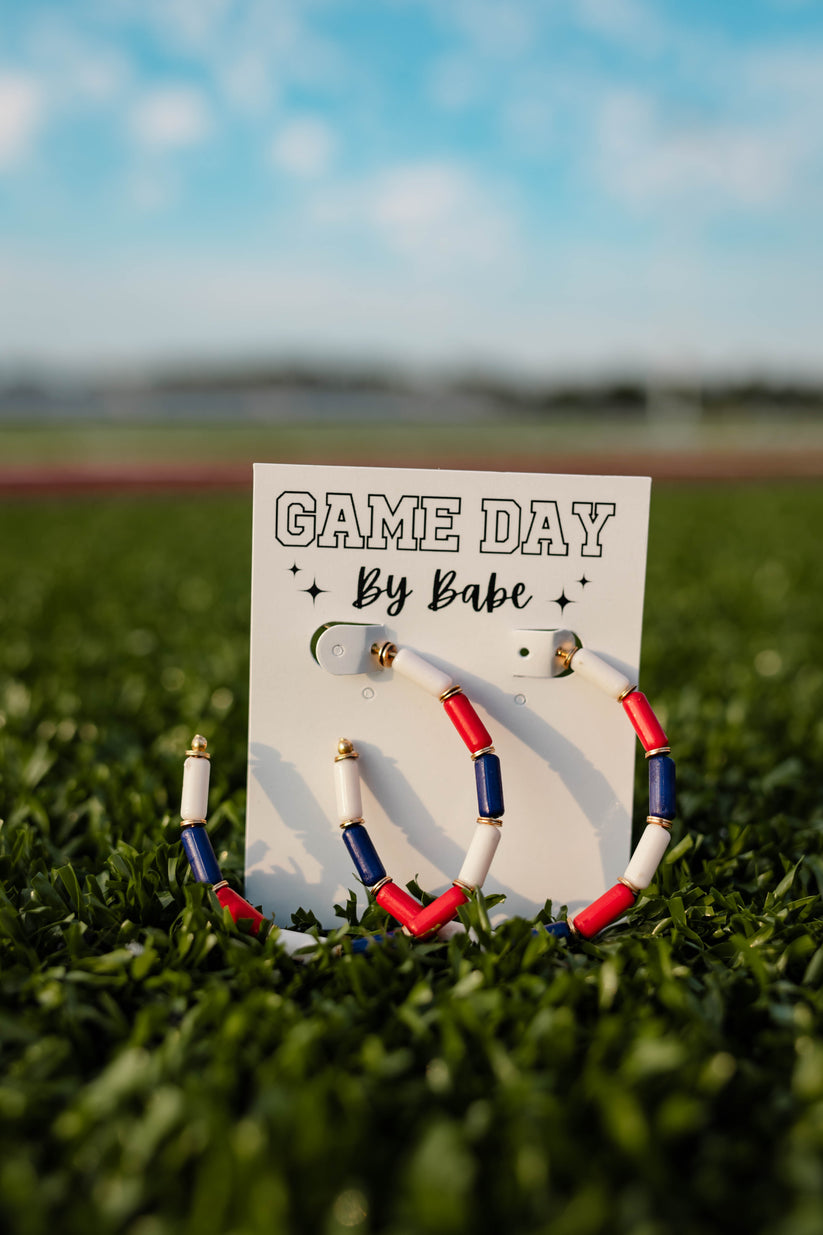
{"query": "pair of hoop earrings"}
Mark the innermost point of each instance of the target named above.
(437, 918)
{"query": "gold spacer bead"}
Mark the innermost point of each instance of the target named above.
(497, 823)
(221, 883)
(385, 653)
(375, 887)
(192, 823)
(469, 888)
(660, 821)
(658, 750)
(347, 823)
(453, 690)
(487, 750)
(628, 691)
(566, 655)
(572, 928)
(627, 883)
(345, 750)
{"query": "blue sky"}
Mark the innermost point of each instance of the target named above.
(553, 188)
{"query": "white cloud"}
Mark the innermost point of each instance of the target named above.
(246, 80)
(303, 147)
(455, 82)
(432, 212)
(502, 29)
(171, 117)
(98, 78)
(749, 144)
(252, 49)
(627, 22)
(79, 65)
(530, 122)
(188, 22)
(648, 161)
(154, 188)
(416, 200)
(22, 106)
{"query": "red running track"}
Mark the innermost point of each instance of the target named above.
(66, 480)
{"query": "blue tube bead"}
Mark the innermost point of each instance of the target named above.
(560, 930)
(201, 855)
(662, 797)
(363, 942)
(489, 786)
(369, 868)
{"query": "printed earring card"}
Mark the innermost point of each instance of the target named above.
(473, 571)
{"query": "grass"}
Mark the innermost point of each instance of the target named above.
(100, 442)
(165, 1074)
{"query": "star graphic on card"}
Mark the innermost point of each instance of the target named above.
(314, 591)
(562, 600)
(583, 581)
(295, 569)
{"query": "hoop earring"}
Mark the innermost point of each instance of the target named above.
(418, 920)
(652, 845)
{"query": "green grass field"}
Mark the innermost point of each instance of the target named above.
(511, 436)
(165, 1074)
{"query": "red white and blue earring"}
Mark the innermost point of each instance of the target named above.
(196, 840)
(655, 839)
(417, 920)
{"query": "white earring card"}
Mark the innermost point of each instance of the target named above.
(476, 572)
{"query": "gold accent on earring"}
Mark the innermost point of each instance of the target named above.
(627, 883)
(658, 750)
(385, 653)
(192, 823)
(345, 750)
(347, 823)
(375, 887)
(221, 883)
(566, 655)
(448, 694)
(198, 748)
(468, 888)
(628, 691)
(660, 821)
(497, 823)
(487, 750)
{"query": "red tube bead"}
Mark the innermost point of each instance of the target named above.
(240, 909)
(646, 725)
(398, 903)
(605, 910)
(467, 723)
(438, 913)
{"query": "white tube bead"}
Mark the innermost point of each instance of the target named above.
(647, 856)
(194, 803)
(479, 857)
(295, 941)
(431, 679)
(347, 787)
(601, 674)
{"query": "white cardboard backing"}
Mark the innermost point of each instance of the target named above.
(451, 564)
